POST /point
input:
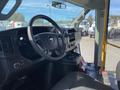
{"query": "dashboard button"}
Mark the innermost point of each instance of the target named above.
(17, 65)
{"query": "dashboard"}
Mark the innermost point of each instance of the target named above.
(72, 39)
(17, 53)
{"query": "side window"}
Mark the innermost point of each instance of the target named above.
(114, 23)
(113, 36)
(87, 44)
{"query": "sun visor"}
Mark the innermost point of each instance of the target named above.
(88, 4)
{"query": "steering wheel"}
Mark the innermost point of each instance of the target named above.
(47, 44)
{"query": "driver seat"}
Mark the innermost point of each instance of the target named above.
(79, 81)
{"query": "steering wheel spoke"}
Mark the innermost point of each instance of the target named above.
(36, 38)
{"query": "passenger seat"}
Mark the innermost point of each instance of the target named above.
(118, 74)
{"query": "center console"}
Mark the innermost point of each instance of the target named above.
(73, 38)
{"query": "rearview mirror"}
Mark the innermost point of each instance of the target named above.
(3, 3)
(59, 4)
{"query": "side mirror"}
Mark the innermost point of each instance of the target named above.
(58, 4)
(3, 3)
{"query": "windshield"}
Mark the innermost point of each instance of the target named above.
(30, 8)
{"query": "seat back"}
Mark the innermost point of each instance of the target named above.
(118, 74)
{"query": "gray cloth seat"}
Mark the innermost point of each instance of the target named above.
(118, 71)
(79, 81)
(118, 74)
